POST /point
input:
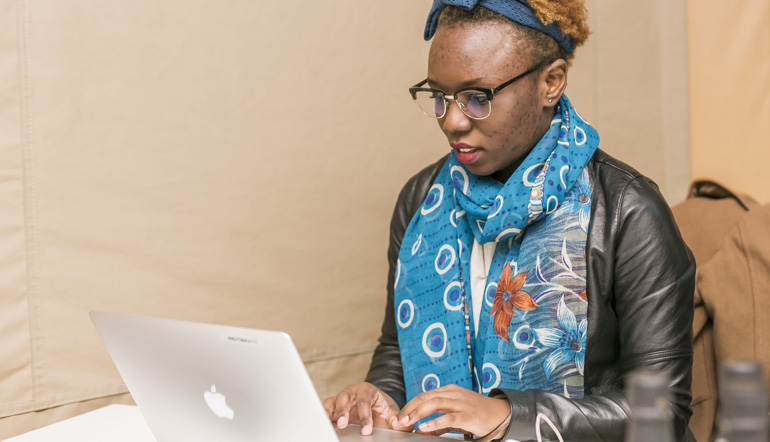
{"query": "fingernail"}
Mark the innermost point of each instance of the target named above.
(404, 420)
(341, 421)
(424, 427)
(367, 430)
(393, 421)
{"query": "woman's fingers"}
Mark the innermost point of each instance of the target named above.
(463, 410)
(433, 401)
(440, 425)
(362, 404)
(383, 407)
(341, 408)
(364, 410)
(328, 405)
(425, 404)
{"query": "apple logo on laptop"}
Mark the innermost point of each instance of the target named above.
(217, 403)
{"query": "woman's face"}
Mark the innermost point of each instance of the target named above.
(486, 55)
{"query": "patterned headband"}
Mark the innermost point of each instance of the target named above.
(516, 10)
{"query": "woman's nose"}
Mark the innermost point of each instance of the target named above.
(455, 119)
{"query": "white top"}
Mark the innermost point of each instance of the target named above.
(481, 259)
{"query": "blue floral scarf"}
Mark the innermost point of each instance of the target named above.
(532, 327)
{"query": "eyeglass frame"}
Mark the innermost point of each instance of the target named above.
(489, 92)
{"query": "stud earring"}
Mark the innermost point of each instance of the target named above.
(550, 100)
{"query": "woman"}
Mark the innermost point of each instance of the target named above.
(530, 272)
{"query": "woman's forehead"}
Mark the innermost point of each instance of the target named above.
(485, 50)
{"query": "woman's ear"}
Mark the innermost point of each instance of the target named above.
(555, 76)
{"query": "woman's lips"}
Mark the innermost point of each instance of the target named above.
(466, 154)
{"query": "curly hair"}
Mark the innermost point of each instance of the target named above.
(569, 15)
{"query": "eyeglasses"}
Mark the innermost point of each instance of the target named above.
(475, 102)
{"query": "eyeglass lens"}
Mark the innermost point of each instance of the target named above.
(473, 103)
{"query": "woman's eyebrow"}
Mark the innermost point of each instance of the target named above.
(463, 85)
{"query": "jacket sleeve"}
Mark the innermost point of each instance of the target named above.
(651, 273)
(385, 371)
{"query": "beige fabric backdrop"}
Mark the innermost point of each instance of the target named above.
(630, 81)
(237, 162)
(729, 60)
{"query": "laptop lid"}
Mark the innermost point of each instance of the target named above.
(203, 382)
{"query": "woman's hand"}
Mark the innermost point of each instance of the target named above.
(466, 411)
(362, 404)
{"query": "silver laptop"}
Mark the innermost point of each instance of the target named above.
(203, 382)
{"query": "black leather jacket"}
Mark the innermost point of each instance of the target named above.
(640, 281)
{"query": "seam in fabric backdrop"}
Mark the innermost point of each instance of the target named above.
(30, 213)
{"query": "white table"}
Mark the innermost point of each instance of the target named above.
(113, 423)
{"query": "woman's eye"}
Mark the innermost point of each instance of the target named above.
(479, 97)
